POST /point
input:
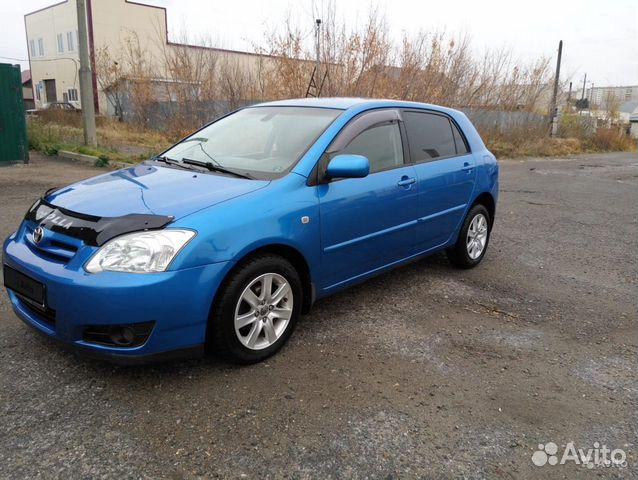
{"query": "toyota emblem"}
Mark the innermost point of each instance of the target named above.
(38, 233)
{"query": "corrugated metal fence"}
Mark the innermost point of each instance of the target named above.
(13, 129)
(501, 121)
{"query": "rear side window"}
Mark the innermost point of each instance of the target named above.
(381, 144)
(430, 136)
(461, 146)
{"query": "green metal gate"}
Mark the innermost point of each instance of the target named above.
(13, 128)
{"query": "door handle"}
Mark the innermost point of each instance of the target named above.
(467, 166)
(406, 181)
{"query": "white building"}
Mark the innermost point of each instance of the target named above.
(599, 96)
(52, 38)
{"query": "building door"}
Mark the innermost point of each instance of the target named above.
(51, 93)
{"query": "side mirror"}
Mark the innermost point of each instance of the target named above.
(348, 166)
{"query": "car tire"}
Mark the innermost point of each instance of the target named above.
(473, 239)
(243, 299)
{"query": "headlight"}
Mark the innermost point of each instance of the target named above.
(140, 252)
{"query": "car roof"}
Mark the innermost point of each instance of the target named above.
(347, 103)
(342, 103)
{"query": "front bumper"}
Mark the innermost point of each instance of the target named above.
(178, 302)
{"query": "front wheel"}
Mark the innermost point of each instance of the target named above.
(474, 236)
(256, 310)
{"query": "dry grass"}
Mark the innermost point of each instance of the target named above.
(611, 140)
(533, 146)
(116, 141)
(517, 145)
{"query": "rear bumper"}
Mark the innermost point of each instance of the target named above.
(178, 302)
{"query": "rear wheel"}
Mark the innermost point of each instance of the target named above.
(473, 239)
(256, 310)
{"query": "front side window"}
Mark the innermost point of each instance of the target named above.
(41, 47)
(266, 141)
(60, 43)
(381, 145)
(73, 95)
(32, 47)
(430, 136)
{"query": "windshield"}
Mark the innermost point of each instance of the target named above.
(259, 140)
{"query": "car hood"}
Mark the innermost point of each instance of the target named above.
(150, 189)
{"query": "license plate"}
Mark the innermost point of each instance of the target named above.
(25, 286)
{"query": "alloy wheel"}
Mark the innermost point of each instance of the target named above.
(476, 236)
(263, 311)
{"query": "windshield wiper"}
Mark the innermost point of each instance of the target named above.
(213, 167)
(171, 161)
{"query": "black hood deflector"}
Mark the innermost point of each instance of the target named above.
(95, 231)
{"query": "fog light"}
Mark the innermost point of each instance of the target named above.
(129, 335)
(123, 336)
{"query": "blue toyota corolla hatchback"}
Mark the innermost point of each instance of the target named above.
(228, 236)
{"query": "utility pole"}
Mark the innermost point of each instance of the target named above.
(569, 95)
(318, 52)
(86, 81)
(553, 108)
(584, 82)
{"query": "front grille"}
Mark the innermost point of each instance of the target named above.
(54, 246)
(45, 314)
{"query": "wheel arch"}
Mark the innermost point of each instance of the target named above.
(294, 256)
(487, 200)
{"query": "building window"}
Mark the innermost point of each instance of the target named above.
(40, 47)
(70, 42)
(60, 43)
(32, 47)
(73, 95)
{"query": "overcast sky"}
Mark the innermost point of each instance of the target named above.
(600, 37)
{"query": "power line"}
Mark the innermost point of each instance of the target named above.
(40, 60)
(75, 77)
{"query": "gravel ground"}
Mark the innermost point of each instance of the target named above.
(423, 372)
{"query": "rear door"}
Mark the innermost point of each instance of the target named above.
(446, 173)
(367, 223)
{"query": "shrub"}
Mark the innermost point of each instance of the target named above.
(102, 161)
(571, 125)
(50, 149)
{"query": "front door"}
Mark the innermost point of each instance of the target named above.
(368, 223)
(51, 92)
